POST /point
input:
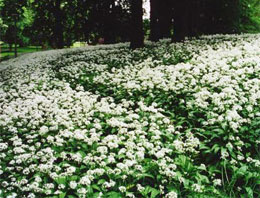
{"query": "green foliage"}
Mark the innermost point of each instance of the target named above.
(249, 16)
(42, 23)
(220, 154)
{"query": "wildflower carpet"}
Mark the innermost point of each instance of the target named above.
(168, 120)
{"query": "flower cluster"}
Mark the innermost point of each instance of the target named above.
(168, 120)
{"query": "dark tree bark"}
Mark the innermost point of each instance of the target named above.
(58, 26)
(109, 22)
(203, 17)
(160, 19)
(10, 47)
(180, 16)
(154, 20)
(137, 37)
(193, 14)
(165, 18)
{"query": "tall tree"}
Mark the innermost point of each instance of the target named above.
(160, 19)
(12, 13)
(194, 13)
(109, 22)
(58, 28)
(50, 21)
(137, 32)
(165, 18)
(154, 20)
(180, 20)
(3, 26)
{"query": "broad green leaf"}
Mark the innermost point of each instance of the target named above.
(96, 187)
(154, 192)
(114, 195)
(61, 180)
(249, 192)
(101, 181)
(145, 175)
(62, 195)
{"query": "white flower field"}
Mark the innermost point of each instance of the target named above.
(169, 120)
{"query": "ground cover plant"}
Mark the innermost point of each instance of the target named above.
(167, 120)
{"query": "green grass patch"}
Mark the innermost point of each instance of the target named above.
(6, 53)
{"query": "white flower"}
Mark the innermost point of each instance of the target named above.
(73, 184)
(109, 184)
(224, 154)
(217, 182)
(71, 169)
(85, 180)
(122, 189)
(160, 154)
(140, 188)
(131, 195)
(43, 130)
(197, 187)
(240, 157)
(61, 186)
(31, 195)
(171, 194)
(3, 146)
(13, 195)
(82, 191)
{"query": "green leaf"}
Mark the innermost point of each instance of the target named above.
(101, 181)
(147, 190)
(114, 130)
(145, 175)
(114, 195)
(242, 170)
(83, 154)
(154, 192)
(62, 195)
(82, 167)
(96, 187)
(202, 178)
(185, 163)
(61, 180)
(186, 183)
(96, 195)
(249, 192)
(129, 186)
(257, 182)
(90, 189)
(74, 178)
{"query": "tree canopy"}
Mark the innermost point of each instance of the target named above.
(59, 23)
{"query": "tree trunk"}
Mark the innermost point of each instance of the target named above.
(193, 10)
(10, 47)
(165, 19)
(203, 17)
(154, 20)
(137, 36)
(109, 22)
(58, 28)
(181, 20)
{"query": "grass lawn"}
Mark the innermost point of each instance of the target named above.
(6, 54)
